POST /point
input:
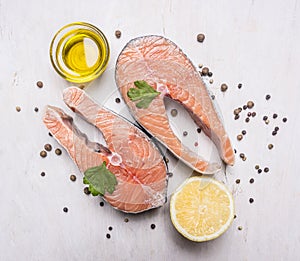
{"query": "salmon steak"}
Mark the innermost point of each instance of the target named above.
(129, 155)
(150, 68)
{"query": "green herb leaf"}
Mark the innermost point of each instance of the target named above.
(100, 180)
(143, 94)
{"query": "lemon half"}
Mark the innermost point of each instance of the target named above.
(201, 209)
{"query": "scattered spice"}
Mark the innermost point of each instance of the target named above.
(256, 166)
(245, 107)
(108, 236)
(239, 137)
(167, 160)
(18, 108)
(266, 169)
(249, 114)
(240, 227)
(251, 180)
(73, 177)
(43, 154)
(36, 109)
(244, 158)
(250, 104)
(237, 111)
(117, 100)
(118, 33)
(268, 96)
(210, 74)
(126, 220)
(110, 228)
(267, 121)
(240, 85)
(205, 71)
(244, 132)
(196, 144)
(234, 216)
(247, 119)
(185, 133)
(276, 128)
(253, 114)
(48, 147)
(40, 84)
(50, 134)
(211, 81)
(152, 226)
(275, 116)
(236, 117)
(251, 200)
(274, 133)
(284, 119)
(65, 209)
(237, 181)
(43, 174)
(174, 112)
(198, 130)
(242, 155)
(265, 118)
(270, 146)
(259, 171)
(224, 87)
(101, 204)
(200, 38)
(58, 151)
(86, 191)
(235, 151)
(200, 65)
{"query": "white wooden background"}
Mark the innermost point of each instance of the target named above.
(255, 43)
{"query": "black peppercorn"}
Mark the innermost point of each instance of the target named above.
(86, 191)
(58, 152)
(205, 71)
(200, 38)
(224, 87)
(40, 84)
(43, 154)
(48, 147)
(118, 33)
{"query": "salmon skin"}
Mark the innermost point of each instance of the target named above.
(129, 154)
(159, 62)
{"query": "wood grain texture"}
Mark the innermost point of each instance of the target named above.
(255, 43)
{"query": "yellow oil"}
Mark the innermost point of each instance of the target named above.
(82, 55)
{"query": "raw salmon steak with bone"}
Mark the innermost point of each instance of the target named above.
(154, 62)
(131, 170)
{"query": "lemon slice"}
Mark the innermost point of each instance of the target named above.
(201, 209)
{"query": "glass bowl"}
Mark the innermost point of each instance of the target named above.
(79, 52)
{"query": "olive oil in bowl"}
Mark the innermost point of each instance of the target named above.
(79, 52)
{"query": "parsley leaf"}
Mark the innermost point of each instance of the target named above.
(100, 180)
(143, 94)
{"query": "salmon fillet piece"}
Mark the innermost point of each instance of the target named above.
(129, 154)
(164, 66)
